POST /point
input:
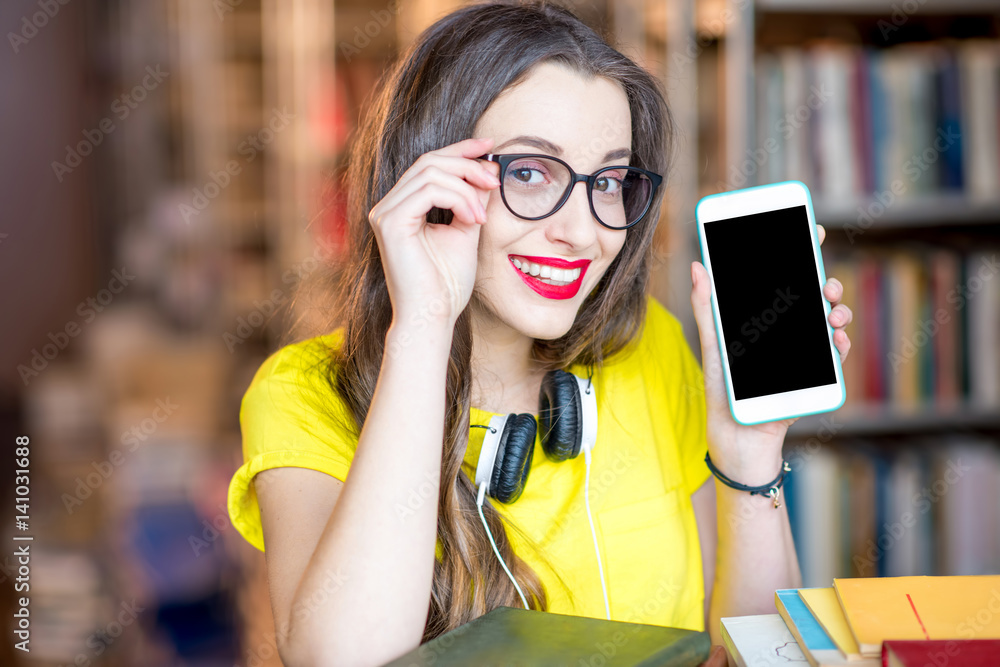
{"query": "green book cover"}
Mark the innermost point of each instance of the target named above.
(511, 636)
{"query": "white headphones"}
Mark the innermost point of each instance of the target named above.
(568, 419)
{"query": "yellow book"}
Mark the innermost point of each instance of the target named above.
(880, 608)
(823, 604)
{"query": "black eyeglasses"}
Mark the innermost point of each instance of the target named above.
(534, 186)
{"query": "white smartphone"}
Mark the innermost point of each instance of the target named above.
(761, 250)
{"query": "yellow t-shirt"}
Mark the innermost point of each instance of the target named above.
(648, 460)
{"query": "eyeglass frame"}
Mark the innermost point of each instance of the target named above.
(505, 159)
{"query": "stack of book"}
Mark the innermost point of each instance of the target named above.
(926, 330)
(911, 504)
(866, 622)
(912, 120)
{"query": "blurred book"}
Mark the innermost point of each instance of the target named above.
(920, 505)
(926, 333)
(910, 120)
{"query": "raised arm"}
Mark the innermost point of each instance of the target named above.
(747, 542)
(350, 577)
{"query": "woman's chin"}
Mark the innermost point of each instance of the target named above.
(549, 327)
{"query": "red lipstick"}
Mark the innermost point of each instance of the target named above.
(567, 291)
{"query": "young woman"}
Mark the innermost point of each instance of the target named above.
(487, 118)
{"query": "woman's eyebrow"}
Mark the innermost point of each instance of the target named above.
(616, 154)
(546, 145)
(530, 140)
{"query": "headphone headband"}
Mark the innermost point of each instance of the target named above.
(588, 398)
(488, 454)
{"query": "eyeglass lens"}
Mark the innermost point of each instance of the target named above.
(534, 186)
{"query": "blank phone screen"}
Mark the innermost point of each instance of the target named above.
(770, 302)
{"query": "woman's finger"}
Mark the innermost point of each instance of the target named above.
(401, 198)
(423, 199)
(701, 303)
(821, 232)
(833, 291)
(842, 342)
(477, 172)
(840, 316)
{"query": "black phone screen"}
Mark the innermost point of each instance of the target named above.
(770, 302)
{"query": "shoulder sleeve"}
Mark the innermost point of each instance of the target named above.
(685, 391)
(290, 416)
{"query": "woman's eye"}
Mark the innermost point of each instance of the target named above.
(608, 185)
(527, 175)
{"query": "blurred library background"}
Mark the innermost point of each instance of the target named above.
(171, 180)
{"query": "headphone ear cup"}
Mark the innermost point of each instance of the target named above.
(513, 462)
(560, 415)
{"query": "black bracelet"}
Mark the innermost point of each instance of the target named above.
(771, 489)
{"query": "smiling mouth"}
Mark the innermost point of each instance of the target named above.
(548, 274)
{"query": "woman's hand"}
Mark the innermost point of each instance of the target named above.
(749, 454)
(430, 269)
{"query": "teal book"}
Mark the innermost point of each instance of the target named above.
(510, 636)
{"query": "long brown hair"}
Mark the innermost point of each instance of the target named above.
(432, 97)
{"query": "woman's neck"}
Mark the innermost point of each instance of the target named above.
(505, 378)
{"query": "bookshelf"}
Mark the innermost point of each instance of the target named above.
(863, 467)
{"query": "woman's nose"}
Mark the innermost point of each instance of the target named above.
(574, 224)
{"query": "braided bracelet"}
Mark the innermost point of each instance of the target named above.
(770, 489)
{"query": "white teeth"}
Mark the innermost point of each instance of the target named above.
(547, 274)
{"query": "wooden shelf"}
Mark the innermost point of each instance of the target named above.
(885, 7)
(878, 420)
(914, 211)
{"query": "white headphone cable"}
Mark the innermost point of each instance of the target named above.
(479, 506)
(586, 499)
